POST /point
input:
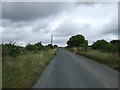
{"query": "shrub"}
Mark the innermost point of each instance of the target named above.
(10, 49)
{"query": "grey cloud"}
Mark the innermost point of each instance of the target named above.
(12, 34)
(119, 20)
(33, 22)
(67, 28)
(21, 11)
(24, 36)
(88, 4)
(7, 23)
(112, 27)
(92, 4)
(41, 25)
(58, 40)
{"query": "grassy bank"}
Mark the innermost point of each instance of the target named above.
(23, 71)
(110, 59)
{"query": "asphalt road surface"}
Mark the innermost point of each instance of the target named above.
(69, 70)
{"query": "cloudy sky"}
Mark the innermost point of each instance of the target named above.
(30, 22)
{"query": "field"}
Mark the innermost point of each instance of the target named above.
(110, 59)
(23, 71)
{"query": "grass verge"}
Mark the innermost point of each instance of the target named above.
(23, 71)
(110, 59)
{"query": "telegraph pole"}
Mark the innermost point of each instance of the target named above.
(51, 38)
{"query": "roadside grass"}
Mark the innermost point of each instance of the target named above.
(23, 71)
(110, 59)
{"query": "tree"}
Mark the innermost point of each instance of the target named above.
(55, 46)
(116, 44)
(35, 47)
(77, 41)
(38, 46)
(102, 45)
(49, 46)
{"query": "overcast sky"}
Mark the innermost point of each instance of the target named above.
(30, 22)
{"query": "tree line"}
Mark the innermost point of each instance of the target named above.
(11, 49)
(102, 45)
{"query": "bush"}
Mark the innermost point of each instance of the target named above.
(104, 46)
(116, 44)
(35, 47)
(10, 49)
(29, 47)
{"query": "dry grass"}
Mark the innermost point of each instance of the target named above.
(110, 59)
(24, 70)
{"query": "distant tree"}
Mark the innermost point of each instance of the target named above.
(38, 46)
(77, 41)
(102, 45)
(34, 47)
(115, 42)
(49, 46)
(55, 46)
(29, 47)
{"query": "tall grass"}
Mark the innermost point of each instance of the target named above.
(23, 71)
(110, 59)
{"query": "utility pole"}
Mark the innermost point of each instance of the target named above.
(51, 38)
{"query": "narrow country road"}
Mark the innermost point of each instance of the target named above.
(69, 70)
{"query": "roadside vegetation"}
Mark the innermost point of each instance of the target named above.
(107, 53)
(22, 66)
